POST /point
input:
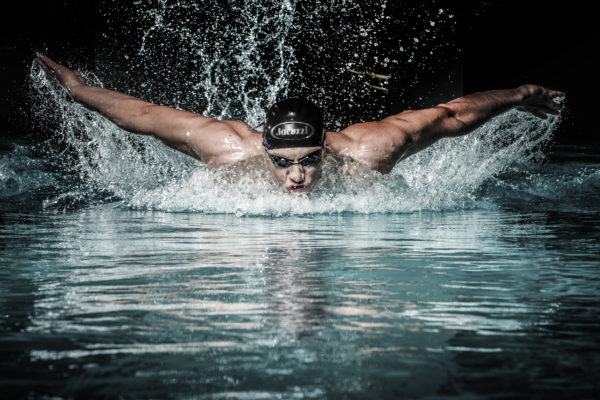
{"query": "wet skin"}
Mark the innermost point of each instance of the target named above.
(295, 178)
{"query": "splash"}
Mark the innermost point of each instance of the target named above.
(237, 71)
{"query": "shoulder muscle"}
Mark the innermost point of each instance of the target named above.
(377, 144)
(219, 142)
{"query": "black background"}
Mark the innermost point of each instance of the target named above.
(502, 44)
(548, 43)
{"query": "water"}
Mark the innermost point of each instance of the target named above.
(130, 270)
(109, 302)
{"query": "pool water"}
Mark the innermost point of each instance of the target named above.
(105, 301)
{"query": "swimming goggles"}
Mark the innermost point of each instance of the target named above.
(311, 159)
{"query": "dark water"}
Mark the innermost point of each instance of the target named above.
(106, 301)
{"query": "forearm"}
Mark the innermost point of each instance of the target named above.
(470, 111)
(413, 130)
(120, 108)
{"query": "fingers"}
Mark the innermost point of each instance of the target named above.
(49, 62)
(65, 77)
(39, 62)
(547, 104)
(42, 64)
(49, 65)
(553, 105)
(542, 103)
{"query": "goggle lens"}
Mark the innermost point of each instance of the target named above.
(310, 159)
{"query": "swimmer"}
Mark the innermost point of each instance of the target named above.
(294, 141)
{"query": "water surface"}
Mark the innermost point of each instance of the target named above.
(106, 301)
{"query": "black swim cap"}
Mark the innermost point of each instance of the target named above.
(293, 122)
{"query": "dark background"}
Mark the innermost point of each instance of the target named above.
(500, 45)
(547, 43)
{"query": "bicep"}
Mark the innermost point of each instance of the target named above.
(377, 144)
(219, 142)
(207, 139)
(382, 144)
(168, 124)
(424, 127)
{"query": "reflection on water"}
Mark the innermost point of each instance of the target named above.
(111, 301)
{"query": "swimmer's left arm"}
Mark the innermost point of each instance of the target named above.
(382, 144)
(464, 114)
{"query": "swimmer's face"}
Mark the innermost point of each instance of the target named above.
(297, 169)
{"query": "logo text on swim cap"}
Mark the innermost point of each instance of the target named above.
(292, 130)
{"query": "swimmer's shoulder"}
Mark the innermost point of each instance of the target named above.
(352, 153)
(236, 142)
(247, 135)
(338, 144)
(369, 144)
(348, 146)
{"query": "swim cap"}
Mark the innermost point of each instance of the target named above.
(293, 122)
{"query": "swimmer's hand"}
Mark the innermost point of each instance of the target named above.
(539, 101)
(67, 78)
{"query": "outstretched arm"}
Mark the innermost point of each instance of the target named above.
(463, 115)
(383, 143)
(212, 141)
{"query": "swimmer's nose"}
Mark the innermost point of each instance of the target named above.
(296, 173)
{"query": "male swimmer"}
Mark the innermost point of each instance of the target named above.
(294, 141)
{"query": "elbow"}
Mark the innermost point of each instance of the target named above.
(449, 112)
(141, 110)
(451, 120)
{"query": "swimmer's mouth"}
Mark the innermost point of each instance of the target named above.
(297, 188)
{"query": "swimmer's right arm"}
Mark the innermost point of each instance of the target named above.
(213, 141)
